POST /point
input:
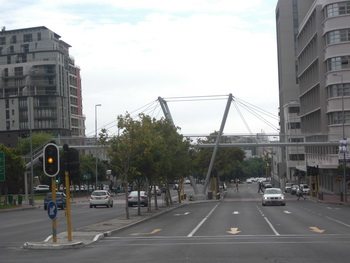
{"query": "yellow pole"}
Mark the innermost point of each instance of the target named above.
(54, 222)
(69, 226)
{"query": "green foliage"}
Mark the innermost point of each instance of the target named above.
(14, 164)
(38, 139)
(227, 162)
(148, 148)
(254, 167)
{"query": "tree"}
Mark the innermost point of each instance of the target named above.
(150, 149)
(14, 167)
(125, 148)
(38, 139)
(227, 161)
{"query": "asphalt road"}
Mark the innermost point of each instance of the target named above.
(238, 229)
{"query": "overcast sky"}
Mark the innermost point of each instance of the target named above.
(133, 51)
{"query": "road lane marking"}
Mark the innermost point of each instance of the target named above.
(315, 229)
(271, 226)
(235, 212)
(150, 233)
(342, 223)
(202, 222)
(287, 212)
(233, 231)
(268, 222)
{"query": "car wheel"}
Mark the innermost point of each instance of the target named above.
(112, 204)
(45, 207)
(263, 204)
(90, 206)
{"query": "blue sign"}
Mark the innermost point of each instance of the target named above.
(52, 210)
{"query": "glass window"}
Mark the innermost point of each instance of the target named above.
(2, 40)
(27, 38)
(338, 63)
(336, 90)
(337, 9)
(337, 117)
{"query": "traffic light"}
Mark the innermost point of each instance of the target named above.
(51, 160)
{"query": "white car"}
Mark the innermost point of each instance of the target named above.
(133, 198)
(273, 196)
(42, 188)
(101, 198)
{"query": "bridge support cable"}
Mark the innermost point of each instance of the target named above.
(240, 114)
(218, 139)
(256, 110)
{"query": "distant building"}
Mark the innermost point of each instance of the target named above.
(40, 86)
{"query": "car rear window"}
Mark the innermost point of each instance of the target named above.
(272, 191)
(99, 193)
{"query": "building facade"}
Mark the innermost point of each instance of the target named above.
(289, 15)
(40, 86)
(322, 63)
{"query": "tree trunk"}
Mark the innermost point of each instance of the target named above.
(126, 197)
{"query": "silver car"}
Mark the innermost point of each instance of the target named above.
(101, 198)
(133, 198)
(273, 196)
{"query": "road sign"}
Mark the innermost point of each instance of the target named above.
(52, 210)
(2, 166)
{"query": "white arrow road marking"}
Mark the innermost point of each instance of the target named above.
(287, 212)
(316, 229)
(233, 231)
(235, 212)
(184, 214)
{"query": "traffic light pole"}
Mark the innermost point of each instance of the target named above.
(69, 225)
(66, 175)
(54, 222)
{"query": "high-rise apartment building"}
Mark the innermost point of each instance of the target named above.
(40, 86)
(289, 15)
(321, 64)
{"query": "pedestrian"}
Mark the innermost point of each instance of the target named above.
(260, 187)
(300, 193)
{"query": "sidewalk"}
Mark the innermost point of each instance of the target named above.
(330, 198)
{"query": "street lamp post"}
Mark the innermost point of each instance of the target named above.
(31, 141)
(97, 105)
(343, 126)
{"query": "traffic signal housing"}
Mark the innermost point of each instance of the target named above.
(51, 160)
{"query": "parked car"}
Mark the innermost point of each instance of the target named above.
(158, 191)
(294, 189)
(288, 187)
(42, 188)
(60, 200)
(101, 198)
(305, 188)
(248, 181)
(133, 198)
(273, 196)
